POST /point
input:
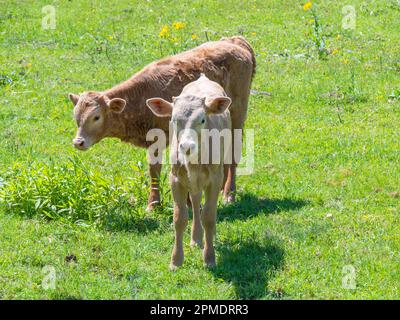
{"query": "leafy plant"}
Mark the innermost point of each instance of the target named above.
(319, 38)
(395, 95)
(68, 192)
(5, 80)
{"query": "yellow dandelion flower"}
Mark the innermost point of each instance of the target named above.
(110, 38)
(194, 36)
(164, 32)
(307, 6)
(346, 61)
(335, 51)
(254, 34)
(178, 25)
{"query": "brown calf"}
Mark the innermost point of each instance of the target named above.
(121, 111)
(197, 164)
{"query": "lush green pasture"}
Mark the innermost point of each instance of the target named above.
(319, 218)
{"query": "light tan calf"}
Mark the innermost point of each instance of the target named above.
(121, 111)
(201, 108)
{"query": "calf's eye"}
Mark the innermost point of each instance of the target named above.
(203, 120)
(96, 118)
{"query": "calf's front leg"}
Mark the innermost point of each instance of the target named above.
(197, 230)
(154, 172)
(180, 221)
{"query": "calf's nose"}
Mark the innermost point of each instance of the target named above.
(188, 147)
(79, 143)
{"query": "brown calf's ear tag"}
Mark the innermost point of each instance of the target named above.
(160, 107)
(74, 98)
(217, 105)
(117, 105)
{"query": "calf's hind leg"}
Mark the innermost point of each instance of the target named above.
(238, 117)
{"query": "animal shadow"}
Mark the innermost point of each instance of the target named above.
(248, 205)
(248, 266)
(246, 263)
(128, 221)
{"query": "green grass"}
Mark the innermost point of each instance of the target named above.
(325, 189)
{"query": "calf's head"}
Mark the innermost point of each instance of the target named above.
(189, 115)
(92, 112)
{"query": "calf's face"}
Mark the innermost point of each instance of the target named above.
(188, 118)
(92, 112)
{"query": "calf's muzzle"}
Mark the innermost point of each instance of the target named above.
(79, 143)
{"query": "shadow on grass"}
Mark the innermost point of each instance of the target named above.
(248, 205)
(142, 225)
(128, 220)
(248, 266)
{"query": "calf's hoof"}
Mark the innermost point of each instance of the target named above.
(152, 206)
(196, 244)
(173, 267)
(230, 198)
(209, 265)
(209, 259)
(176, 259)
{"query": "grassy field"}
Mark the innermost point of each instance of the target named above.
(318, 219)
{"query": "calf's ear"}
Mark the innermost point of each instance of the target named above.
(74, 98)
(116, 105)
(217, 105)
(160, 107)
